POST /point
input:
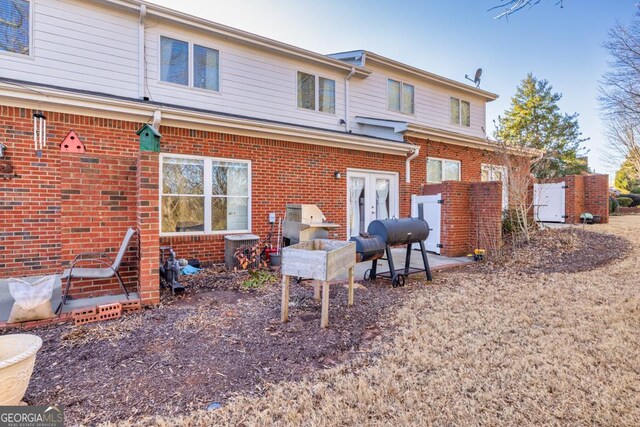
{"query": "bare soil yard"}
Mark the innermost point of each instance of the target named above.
(490, 344)
(485, 348)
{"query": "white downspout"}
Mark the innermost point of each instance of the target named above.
(407, 164)
(157, 118)
(346, 99)
(141, 63)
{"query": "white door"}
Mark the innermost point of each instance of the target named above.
(548, 202)
(371, 196)
(431, 210)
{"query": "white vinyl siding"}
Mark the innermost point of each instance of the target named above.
(252, 82)
(369, 98)
(79, 45)
(204, 195)
(439, 170)
(460, 112)
(400, 97)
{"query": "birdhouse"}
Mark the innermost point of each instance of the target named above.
(72, 144)
(149, 138)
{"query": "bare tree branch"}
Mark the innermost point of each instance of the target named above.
(509, 7)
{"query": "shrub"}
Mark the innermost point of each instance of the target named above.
(635, 190)
(625, 202)
(258, 278)
(613, 205)
(634, 197)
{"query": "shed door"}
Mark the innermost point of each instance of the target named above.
(432, 211)
(548, 202)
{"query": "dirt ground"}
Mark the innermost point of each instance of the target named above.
(485, 347)
(495, 343)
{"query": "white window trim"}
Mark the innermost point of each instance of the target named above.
(402, 83)
(208, 188)
(505, 180)
(460, 101)
(317, 93)
(31, 54)
(442, 169)
(190, 65)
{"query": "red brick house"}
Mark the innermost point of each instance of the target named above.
(247, 125)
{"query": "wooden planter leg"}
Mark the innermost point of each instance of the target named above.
(324, 319)
(316, 290)
(351, 287)
(284, 310)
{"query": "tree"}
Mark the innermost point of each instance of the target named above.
(620, 92)
(509, 7)
(627, 177)
(534, 120)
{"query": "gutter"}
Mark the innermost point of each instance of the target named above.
(44, 98)
(347, 126)
(407, 163)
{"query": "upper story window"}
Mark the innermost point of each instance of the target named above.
(316, 91)
(178, 57)
(206, 195)
(439, 170)
(400, 96)
(15, 26)
(460, 112)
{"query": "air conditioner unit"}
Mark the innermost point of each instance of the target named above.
(232, 243)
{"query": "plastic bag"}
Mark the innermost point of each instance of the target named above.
(32, 300)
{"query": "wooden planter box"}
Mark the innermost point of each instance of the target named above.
(321, 260)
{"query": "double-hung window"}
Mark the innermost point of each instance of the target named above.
(460, 112)
(207, 195)
(400, 96)
(15, 26)
(316, 93)
(189, 64)
(439, 170)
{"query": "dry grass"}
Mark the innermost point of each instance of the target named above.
(483, 349)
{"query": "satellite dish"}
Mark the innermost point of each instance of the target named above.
(476, 78)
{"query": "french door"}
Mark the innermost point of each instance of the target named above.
(370, 196)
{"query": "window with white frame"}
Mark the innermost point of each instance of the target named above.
(178, 57)
(439, 170)
(15, 26)
(497, 173)
(460, 112)
(400, 96)
(205, 195)
(316, 93)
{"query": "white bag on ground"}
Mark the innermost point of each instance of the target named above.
(32, 300)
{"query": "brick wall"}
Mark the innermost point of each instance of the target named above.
(585, 193)
(471, 215)
(148, 226)
(64, 203)
(596, 195)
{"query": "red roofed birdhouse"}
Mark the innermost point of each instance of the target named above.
(72, 144)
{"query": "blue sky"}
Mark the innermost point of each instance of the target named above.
(453, 38)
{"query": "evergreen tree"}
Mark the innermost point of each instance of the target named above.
(627, 177)
(534, 120)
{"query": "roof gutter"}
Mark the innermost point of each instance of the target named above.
(468, 141)
(45, 98)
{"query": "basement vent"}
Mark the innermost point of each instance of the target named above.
(231, 245)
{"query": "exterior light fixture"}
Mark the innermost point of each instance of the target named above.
(39, 133)
(2, 148)
(337, 175)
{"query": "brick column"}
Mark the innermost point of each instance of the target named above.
(148, 225)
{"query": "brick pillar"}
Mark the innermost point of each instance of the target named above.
(596, 195)
(148, 225)
(485, 231)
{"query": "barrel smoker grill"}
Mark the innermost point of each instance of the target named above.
(381, 236)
